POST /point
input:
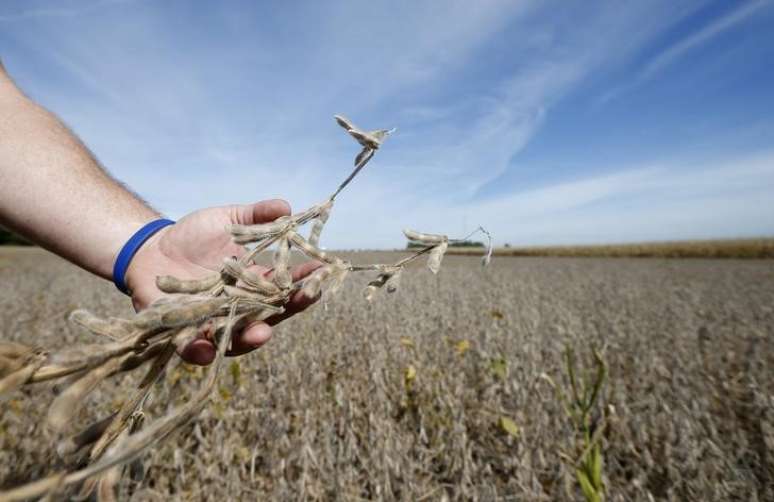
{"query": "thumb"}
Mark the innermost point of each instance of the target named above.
(260, 212)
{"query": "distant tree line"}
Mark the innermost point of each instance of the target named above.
(8, 238)
(466, 244)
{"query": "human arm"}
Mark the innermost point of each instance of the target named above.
(54, 192)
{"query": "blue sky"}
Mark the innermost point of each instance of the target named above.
(548, 122)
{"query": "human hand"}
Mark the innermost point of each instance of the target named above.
(193, 248)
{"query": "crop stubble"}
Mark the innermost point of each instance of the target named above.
(327, 409)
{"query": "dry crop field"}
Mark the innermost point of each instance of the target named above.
(439, 391)
(726, 248)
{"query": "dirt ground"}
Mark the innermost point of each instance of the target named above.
(404, 399)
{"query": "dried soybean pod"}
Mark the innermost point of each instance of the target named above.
(170, 284)
(66, 404)
(8, 365)
(252, 280)
(85, 437)
(108, 328)
(308, 249)
(313, 283)
(236, 292)
(35, 489)
(376, 284)
(232, 268)
(151, 318)
(14, 350)
(364, 156)
(393, 283)
(160, 428)
(339, 273)
(344, 122)
(281, 276)
(424, 238)
(436, 255)
(124, 414)
(192, 313)
(106, 484)
(319, 223)
(21, 376)
(243, 234)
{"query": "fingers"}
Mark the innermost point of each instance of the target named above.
(261, 212)
(200, 352)
(253, 336)
(298, 303)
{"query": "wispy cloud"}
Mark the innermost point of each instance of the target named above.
(58, 11)
(680, 49)
(234, 104)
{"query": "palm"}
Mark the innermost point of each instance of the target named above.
(195, 247)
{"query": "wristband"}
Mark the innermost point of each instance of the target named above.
(131, 247)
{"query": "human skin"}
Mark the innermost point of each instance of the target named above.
(55, 193)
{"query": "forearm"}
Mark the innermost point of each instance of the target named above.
(54, 192)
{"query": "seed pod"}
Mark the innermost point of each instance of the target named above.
(86, 436)
(66, 404)
(369, 292)
(381, 280)
(344, 122)
(111, 329)
(424, 238)
(243, 234)
(339, 273)
(19, 377)
(309, 250)
(234, 292)
(169, 284)
(151, 318)
(319, 223)
(313, 283)
(192, 313)
(381, 134)
(251, 280)
(281, 276)
(436, 255)
(8, 365)
(106, 484)
(364, 156)
(365, 139)
(393, 282)
(13, 350)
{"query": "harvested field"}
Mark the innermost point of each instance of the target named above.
(727, 248)
(404, 399)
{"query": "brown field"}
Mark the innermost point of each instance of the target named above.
(326, 412)
(730, 248)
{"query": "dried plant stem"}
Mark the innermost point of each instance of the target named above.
(212, 304)
(136, 444)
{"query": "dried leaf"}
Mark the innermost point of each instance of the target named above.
(436, 255)
(409, 375)
(393, 283)
(509, 426)
(461, 347)
(499, 367)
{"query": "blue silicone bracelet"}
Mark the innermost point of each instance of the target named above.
(130, 248)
